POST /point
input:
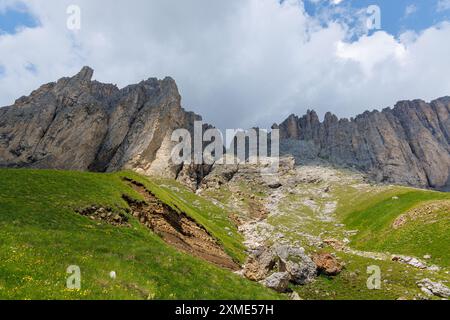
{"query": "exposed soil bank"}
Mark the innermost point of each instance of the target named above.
(177, 229)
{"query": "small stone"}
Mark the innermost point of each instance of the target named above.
(294, 296)
(275, 185)
(434, 268)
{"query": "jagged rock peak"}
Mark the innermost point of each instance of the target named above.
(409, 144)
(85, 74)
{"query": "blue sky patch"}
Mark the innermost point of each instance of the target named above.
(13, 19)
(397, 16)
(30, 67)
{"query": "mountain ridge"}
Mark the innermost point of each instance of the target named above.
(408, 144)
(76, 123)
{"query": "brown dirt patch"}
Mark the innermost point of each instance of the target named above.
(177, 229)
(427, 212)
(103, 214)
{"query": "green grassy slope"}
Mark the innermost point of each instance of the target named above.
(373, 214)
(41, 235)
(425, 235)
(212, 217)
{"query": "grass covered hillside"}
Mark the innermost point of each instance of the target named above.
(47, 224)
(411, 222)
(41, 235)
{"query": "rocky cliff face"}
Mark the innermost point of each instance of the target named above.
(80, 124)
(409, 144)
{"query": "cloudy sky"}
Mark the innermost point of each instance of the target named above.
(239, 63)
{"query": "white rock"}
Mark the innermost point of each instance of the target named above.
(434, 288)
(294, 296)
(278, 281)
(410, 260)
(434, 268)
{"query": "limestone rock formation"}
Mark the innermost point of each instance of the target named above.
(277, 266)
(295, 261)
(434, 288)
(278, 281)
(80, 124)
(409, 144)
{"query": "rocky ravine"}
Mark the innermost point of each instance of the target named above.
(293, 232)
(408, 144)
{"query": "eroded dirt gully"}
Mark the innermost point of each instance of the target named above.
(177, 229)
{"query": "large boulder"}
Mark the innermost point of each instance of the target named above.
(265, 262)
(260, 264)
(299, 265)
(327, 264)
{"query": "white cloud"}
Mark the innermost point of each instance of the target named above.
(370, 52)
(410, 9)
(443, 5)
(238, 63)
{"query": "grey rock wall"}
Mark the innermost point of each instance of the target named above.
(408, 144)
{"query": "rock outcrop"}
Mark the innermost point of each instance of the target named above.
(278, 281)
(327, 264)
(80, 124)
(276, 267)
(409, 144)
(434, 288)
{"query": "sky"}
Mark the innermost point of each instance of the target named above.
(238, 63)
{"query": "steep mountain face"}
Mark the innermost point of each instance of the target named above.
(409, 144)
(80, 124)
